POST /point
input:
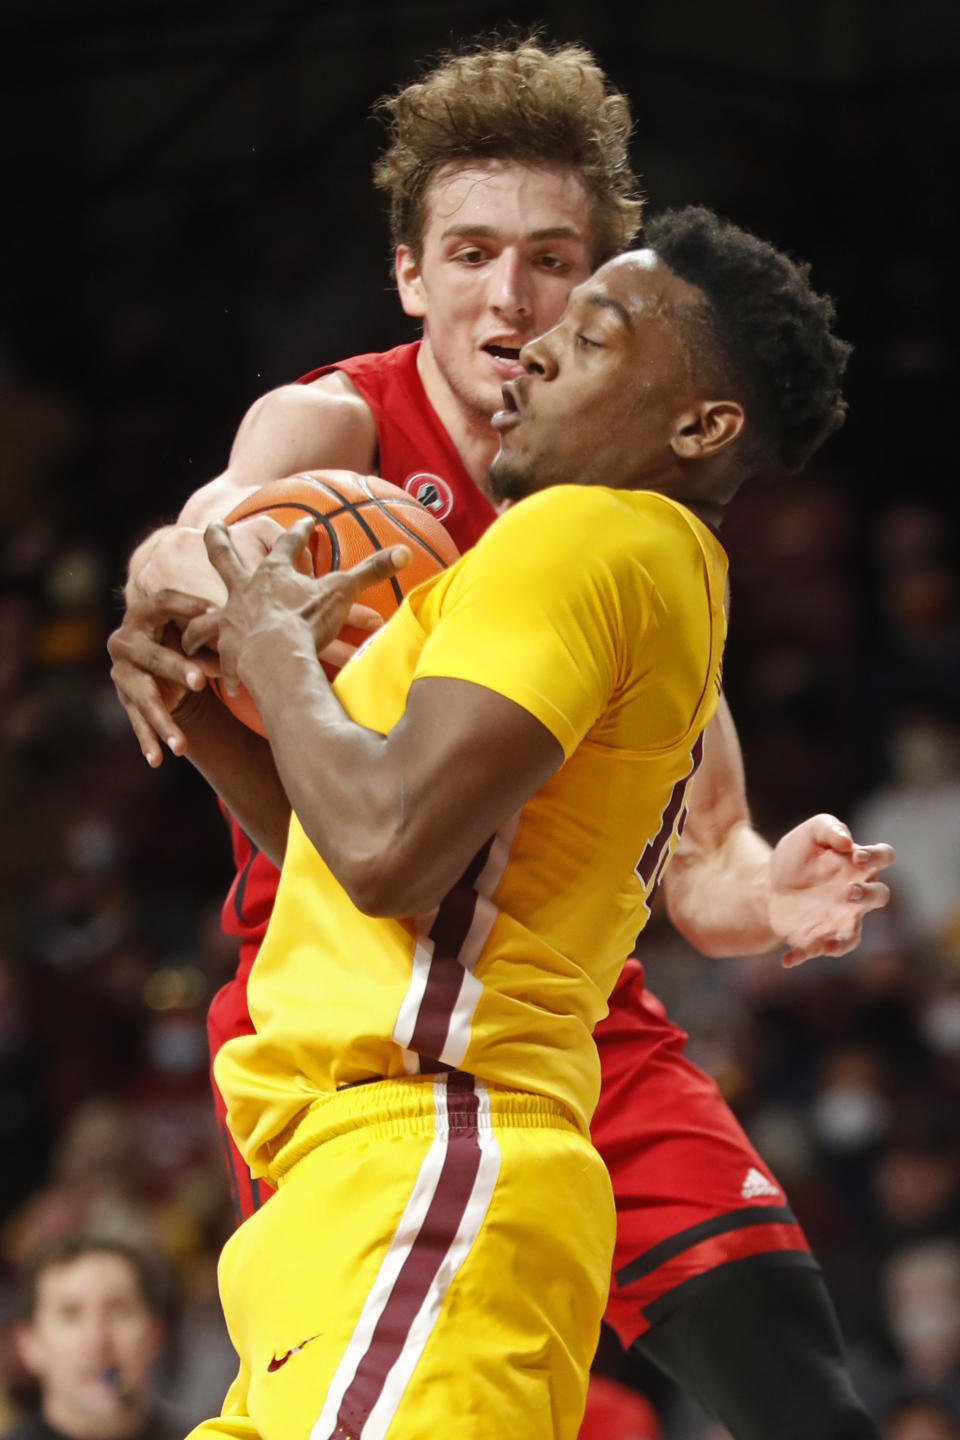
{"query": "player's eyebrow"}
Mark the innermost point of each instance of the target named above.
(607, 302)
(548, 232)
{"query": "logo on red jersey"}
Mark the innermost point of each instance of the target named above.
(432, 492)
(756, 1185)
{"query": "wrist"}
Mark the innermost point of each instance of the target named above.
(189, 703)
(270, 652)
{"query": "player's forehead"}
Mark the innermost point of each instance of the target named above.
(511, 199)
(637, 284)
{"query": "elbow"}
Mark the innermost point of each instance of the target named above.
(365, 867)
(388, 867)
(387, 884)
(372, 891)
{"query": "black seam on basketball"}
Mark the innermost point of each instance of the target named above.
(354, 509)
(322, 517)
(413, 535)
(384, 504)
(347, 506)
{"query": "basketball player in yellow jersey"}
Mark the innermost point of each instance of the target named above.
(482, 803)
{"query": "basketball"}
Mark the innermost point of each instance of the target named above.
(355, 515)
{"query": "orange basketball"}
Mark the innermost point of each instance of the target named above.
(355, 515)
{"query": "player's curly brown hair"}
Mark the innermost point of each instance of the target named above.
(512, 99)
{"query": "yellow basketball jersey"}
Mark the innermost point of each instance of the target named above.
(601, 613)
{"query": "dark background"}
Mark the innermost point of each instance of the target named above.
(190, 220)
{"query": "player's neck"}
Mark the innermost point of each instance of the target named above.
(711, 515)
(470, 430)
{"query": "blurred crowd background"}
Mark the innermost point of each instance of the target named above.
(190, 221)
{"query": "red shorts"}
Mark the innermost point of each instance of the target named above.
(691, 1192)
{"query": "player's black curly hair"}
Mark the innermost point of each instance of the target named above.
(764, 327)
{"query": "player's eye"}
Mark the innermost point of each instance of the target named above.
(470, 255)
(584, 342)
(554, 262)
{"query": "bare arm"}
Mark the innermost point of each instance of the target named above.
(729, 893)
(239, 766)
(325, 425)
(717, 882)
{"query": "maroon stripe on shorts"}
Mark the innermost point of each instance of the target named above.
(445, 976)
(454, 1188)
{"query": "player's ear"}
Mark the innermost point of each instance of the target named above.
(406, 268)
(29, 1351)
(706, 428)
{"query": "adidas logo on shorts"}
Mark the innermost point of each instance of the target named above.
(756, 1185)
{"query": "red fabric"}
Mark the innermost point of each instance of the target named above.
(414, 447)
(616, 1413)
(677, 1157)
(417, 454)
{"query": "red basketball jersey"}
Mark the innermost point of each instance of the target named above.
(416, 453)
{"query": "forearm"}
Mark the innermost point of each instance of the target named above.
(239, 766)
(719, 897)
(399, 816)
(172, 558)
(338, 776)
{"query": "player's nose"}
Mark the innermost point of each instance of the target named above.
(539, 358)
(509, 288)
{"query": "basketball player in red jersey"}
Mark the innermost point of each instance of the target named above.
(713, 1279)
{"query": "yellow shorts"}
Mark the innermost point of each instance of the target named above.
(436, 1262)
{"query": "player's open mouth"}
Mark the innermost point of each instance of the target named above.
(509, 413)
(505, 357)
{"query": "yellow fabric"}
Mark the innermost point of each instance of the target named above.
(601, 612)
(504, 1348)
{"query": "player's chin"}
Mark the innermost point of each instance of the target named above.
(506, 478)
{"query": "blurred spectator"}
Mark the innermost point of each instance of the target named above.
(921, 1416)
(90, 1329)
(917, 810)
(914, 654)
(920, 1311)
(922, 1303)
(916, 1177)
(96, 1184)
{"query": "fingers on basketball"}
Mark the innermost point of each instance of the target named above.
(378, 566)
(360, 523)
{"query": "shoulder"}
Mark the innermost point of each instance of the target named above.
(326, 424)
(331, 396)
(598, 524)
